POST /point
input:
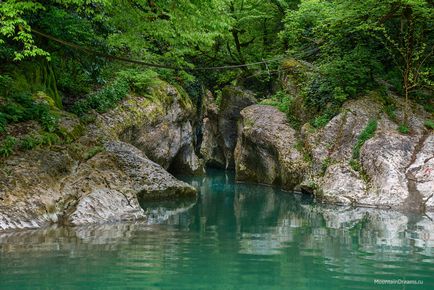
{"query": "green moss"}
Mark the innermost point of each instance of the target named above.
(93, 151)
(36, 76)
(429, 124)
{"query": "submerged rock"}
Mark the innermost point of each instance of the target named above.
(266, 148)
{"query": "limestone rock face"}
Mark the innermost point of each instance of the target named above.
(149, 179)
(161, 128)
(103, 189)
(394, 167)
(107, 206)
(266, 148)
(220, 126)
(98, 178)
(393, 170)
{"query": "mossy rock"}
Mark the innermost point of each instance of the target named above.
(35, 77)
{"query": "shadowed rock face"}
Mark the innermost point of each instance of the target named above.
(265, 151)
(220, 126)
(167, 139)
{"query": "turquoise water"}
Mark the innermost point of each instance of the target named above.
(236, 236)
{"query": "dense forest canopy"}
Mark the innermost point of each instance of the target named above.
(337, 50)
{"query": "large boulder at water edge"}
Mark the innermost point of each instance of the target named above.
(266, 150)
(98, 178)
(393, 169)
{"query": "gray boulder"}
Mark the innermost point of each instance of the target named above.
(266, 148)
(394, 169)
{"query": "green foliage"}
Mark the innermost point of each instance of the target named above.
(219, 98)
(355, 165)
(139, 81)
(15, 24)
(323, 119)
(390, 111)
(29, 142)
(429, 124)
(48, 138)
(7, 146)
(367, 133)
(351, 49)
(22, 107)
(104, 99)
(3, 122)
(5, 84)
(93, 151)
(325, 164)
(280, 100)
(403, 129)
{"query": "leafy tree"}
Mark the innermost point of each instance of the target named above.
(355, 43)
(14, 25)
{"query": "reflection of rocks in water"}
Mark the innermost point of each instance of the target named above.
(169, 212)
(264, 219)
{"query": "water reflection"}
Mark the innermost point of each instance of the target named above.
(235, 234)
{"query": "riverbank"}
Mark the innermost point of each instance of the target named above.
(128, 154)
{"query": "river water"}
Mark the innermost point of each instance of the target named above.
(235, 236)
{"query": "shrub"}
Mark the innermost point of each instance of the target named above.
(366, 134)
(139, 81)
(5, 83)
(323, 119)
(104, 99)
(403, 129)
(390, 111)
(21, 107)
(29, 142)
(429, 124)
(280, 100)
(48, 138)
(7, 146)
(3, 122)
